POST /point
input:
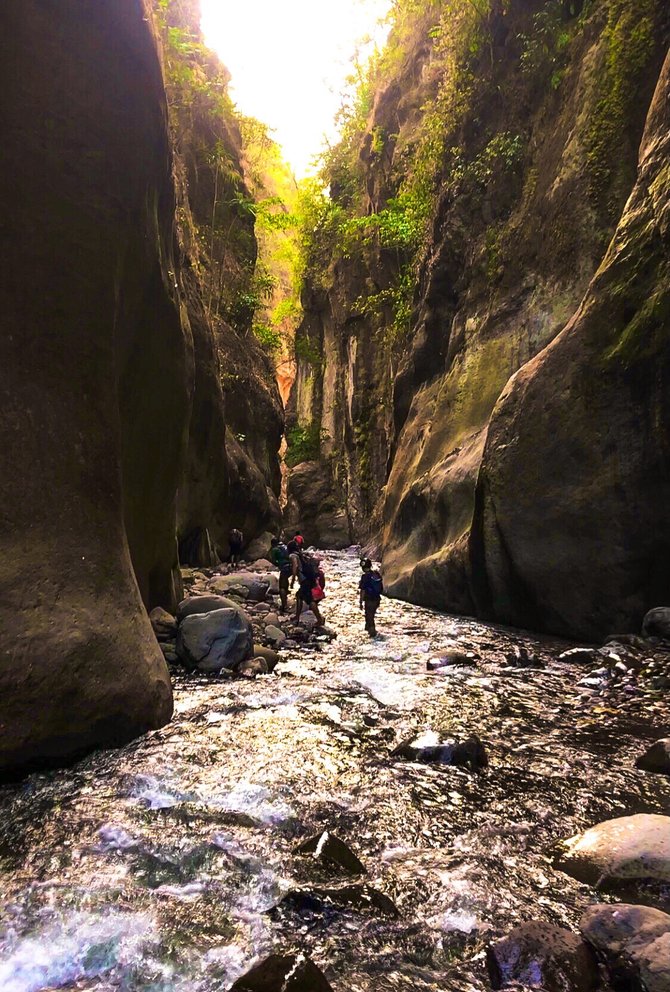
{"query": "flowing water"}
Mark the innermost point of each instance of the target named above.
(169, 864)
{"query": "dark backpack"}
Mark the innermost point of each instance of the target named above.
(310, 569)
(372, 584)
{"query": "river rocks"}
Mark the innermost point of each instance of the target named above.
(164, 624)
(580, 656)
(247, 584)
(275, 634)
(656, 758)
(521, 657)
(270, 656)
(452, 658)
(657, 623)
(215, 641)
(539, 955)
(252, 667)
(469, 754)
(634, 942)
(359, 898)
(283, 973)
(333, 853)
(631, 847)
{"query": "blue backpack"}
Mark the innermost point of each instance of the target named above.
(372, 584)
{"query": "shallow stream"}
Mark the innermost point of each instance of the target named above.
(163, 866)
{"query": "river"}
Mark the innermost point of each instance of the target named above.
(166, 865)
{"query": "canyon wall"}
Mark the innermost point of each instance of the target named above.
(543, 126)
(135, 421)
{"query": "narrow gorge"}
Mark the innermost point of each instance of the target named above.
(445, 348)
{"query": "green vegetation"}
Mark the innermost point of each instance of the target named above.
(304, 444)
(630, 44)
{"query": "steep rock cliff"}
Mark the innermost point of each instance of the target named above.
(571, 529)
(232, 476)
(540, 137)
(94, 378)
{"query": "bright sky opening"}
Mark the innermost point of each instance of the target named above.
(289, 60)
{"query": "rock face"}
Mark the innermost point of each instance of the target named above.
(631, 847)
(431, 451)
(93, 380)
(539, 955)
(314, 509)
(634, 942)
(587, 424)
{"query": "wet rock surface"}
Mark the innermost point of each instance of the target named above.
(542, 956)
(634, 941)
(164, 865)
(656, 758)
(283, 973)
(629, 847)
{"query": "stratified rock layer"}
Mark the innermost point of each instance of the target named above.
(93, 386)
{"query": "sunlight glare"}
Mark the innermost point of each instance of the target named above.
(289, 61)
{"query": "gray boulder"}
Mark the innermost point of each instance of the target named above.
(256, 586)
(657, 623)
(540, 955)
(204, 604)
(634, 941)
(163, 623)
(630, 847)
(214, 641)
(656, 758)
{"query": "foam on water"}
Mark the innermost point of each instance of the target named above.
(83, 946)
(257, 802)
(157, 795)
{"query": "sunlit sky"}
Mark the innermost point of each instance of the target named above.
(289, 60)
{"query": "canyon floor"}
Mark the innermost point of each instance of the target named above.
(171, 864)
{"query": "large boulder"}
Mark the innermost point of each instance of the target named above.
(257, 587)
(630, 847)
(283, 973)
(204, 604)
(634, 941)
(656, 623)
(571, 530)
(93, 379)
(211, 642)
(540, 955)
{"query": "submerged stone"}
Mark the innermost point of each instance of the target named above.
(469, 754)
(283, 973)
(333, 853)
(359, 898)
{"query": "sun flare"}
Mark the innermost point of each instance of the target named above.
(289, 62)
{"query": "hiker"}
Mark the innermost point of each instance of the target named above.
(236, 542)
(296, 544)
(370, 590)
(281, 559)
(311, 589)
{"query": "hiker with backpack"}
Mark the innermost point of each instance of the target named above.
(236, 542)
(311, 589)
(370, 590)
(281, 559)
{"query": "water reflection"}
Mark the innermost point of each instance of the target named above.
(159, 866)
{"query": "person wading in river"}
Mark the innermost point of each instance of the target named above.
(310, 591)
(236, 542)
(284, 562)
(370, 590)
